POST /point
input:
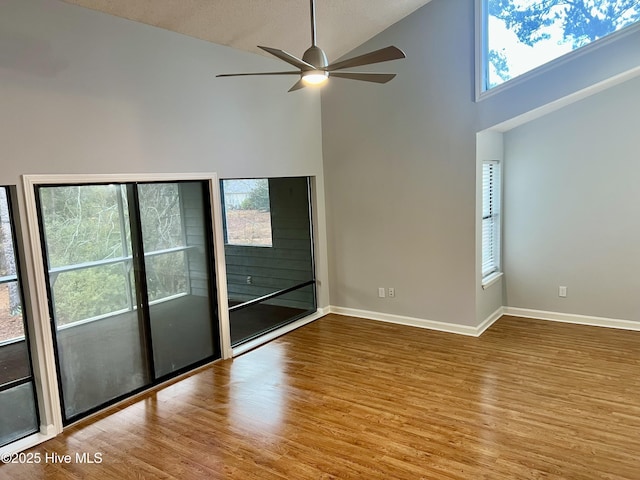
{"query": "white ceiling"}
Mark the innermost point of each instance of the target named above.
(341, 24)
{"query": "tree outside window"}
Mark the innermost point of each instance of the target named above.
(524, 34)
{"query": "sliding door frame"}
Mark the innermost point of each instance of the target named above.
(15, 240)
(44, 364)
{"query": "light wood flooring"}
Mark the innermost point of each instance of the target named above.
(351, 398)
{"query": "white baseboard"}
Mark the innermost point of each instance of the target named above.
(28, 442)
(572, 318)
(420, 322)
(490, 320)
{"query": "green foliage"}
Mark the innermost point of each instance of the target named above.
(258, 198)
(166, 275)
(90, 223)
(88, 293)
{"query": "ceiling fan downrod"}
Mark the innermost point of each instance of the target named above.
(313, 23)
(314, 68)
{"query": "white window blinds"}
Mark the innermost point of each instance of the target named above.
(490, 217)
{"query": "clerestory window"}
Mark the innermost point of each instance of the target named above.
(521, 35)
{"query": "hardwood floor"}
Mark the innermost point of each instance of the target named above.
(351, 398)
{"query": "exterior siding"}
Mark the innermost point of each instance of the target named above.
(191, 194)
(288, 262)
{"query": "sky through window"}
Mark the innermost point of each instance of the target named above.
(524, 34)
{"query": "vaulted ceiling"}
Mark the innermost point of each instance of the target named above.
(284, 24)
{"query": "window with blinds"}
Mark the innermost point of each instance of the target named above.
(490, 217)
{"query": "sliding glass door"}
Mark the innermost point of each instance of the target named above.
(130, 285)
(18, 412)
(269, 254)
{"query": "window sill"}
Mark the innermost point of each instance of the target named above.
(491, 279)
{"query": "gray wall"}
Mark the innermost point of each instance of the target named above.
(400, 164)
(400, 176)
(572, 208)
(86, 92)
(289, 261)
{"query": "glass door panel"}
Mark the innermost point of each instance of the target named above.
(269, 254)
(99, 331)
(175, 236)
(23, 418)
(18, 417)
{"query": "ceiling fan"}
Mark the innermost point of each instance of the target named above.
(314, 69)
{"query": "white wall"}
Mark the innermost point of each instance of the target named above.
(400, 164)
(572, 208)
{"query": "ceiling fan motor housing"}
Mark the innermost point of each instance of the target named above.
(316, 57)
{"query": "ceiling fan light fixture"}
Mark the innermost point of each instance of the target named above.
(314, 69)
(315, 77)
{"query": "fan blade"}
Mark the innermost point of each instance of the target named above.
(365, 77)
(298, 85)
(378, 56)
(287, 57)
(258, 73)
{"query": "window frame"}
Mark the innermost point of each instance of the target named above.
(496, 214)
(224, 215)
(481, 71)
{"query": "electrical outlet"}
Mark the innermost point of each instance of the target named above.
(249, 280)
(381, 292)
(392, 292)
(562, 291)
